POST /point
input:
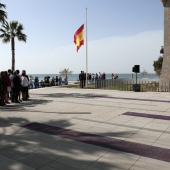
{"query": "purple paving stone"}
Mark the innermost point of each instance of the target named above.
(150, 100)
(147, 115)
(45, 129)
(102, 141)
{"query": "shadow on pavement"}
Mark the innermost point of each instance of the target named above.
(21, 106)
(41, 151)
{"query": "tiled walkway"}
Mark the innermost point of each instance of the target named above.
(106, 142)
(73, 129)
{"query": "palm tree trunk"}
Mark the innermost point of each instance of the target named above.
(13, 53)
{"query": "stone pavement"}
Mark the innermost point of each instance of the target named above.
(89, 129)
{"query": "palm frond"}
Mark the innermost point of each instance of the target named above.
(6, 38)
(3, 31)
(13, 25)
(2, 35)
(2, 5)
(5, 35)
(3, 16)
(6, 26)
(22, 37)
(20, 27)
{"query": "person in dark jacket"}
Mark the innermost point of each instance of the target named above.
(15, 87)
(81, 79)
(56, 80)
(84, 79)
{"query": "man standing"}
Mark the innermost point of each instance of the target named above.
(15, 87)
(81, 79)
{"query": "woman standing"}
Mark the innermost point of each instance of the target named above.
(8, 81)
(24, 83)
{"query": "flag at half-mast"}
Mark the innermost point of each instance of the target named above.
(79, 37)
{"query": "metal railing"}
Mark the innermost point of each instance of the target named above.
(148, 85)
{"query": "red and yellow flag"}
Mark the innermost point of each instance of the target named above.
(79, 37)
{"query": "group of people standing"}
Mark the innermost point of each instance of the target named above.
(114, 76)
(90, 77)
(13, 86)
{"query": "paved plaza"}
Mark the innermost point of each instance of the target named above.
(90, 129)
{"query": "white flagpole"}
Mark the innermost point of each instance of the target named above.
(86, 52)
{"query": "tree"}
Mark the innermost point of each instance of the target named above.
(162, 50)
(65, 72)
(10, 31)
(158, 65)
(3, 14)
(144, 72)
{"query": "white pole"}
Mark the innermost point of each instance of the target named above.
(86, 52)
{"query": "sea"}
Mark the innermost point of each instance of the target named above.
(75, 77)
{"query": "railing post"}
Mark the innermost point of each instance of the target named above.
(142, 86)
(127, 86)
(165, 86)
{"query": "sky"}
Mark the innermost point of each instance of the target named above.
(120, 34)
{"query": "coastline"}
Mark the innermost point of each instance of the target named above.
(75, 77)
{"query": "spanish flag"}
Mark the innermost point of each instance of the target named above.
(79, 37)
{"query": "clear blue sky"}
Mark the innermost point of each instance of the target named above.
(121, 34)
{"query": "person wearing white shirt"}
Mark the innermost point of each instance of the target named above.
(24, 83)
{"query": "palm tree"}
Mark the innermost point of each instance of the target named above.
(10, 31)
(3, 14)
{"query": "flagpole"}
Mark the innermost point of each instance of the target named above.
(86, 52)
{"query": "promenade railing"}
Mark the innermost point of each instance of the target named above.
(145, 85)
